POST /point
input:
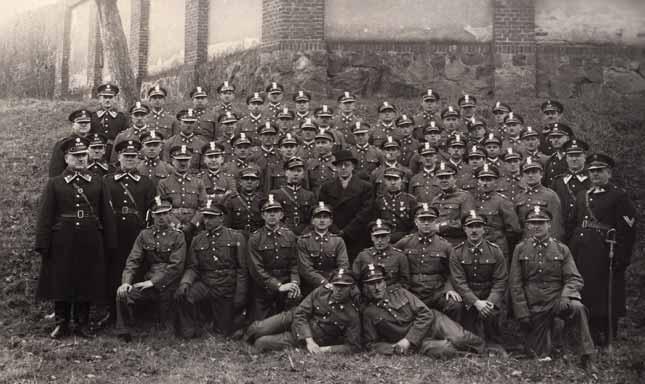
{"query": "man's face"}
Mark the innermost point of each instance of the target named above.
(428, 160)
(513, 129)
(492, 149)
(152, 150)
(323, 121)
(106, 101)
(157, 101)
(96, 152)
(321, 221)
(138, 119)
(468, 111)
(478, 132)
(392, 154)
(76, 161)
(308, 134)
(533, 176)
(302, 106)
(486, 183)
(474, 232)
(128, 161)
(213, 221)
(475, 161)
(500, 116)
(229, 129)
(381, 241)
(599, 176)
(539, 229)
(513, 166)
(161, 219)
(404, 131)
(347, 107)
(200, 102)
(181, 165)
(81, 128)
(227, 97)
(242, 151)
(295, 175)
(424, 225)
(268, 139)
(446, 182)
(275, 97)
(285, 125)
(345, 168)
(249, 184)
(557, 141)
(451, 123)
(323, 146)
(340, 293)
(433, 138)
(430, 106)
(375, 290)
(392, 183)
(213, 161)
(272, 217)
(288, 150)
(575, 161)
(361, 138)
(456, 152)
(255, 106)
(187, 127)
(550, 117)
(387, 115)
(531, 143)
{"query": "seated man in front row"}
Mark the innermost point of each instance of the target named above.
(163, 250)
(394, 320)
(327, 320)
(545, 283)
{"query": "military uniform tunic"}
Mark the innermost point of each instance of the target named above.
(369, 158)
(244, 211)
(155, 169)
(398, 209)
(192, 141)
(205, 127)
(319, 171)
(409, 147)
(377, 176)
(100, 168)
(163, 121)
(502, 223)
(511, 185)
(555, 165)
(424, 186)
(218, 184)
(187, 193)
(108, 123)
(131, 133)
(271, 165)
(393, 259)
(453, 206)
(567, 186)
(546, 198)
(297, 204)
(318, 256)
(380, 132)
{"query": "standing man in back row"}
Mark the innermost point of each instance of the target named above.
(107, 120)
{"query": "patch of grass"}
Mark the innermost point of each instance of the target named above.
(28, 130)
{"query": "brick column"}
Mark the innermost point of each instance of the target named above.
(139, 39)
(293, 24)
(94, 53)
(195, 41)
(61, 85)
(514, 47)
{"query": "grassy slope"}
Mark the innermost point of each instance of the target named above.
(28, 129)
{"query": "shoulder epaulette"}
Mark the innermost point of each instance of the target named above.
(305, 235)
(460, 245)
(493, 244)
(397, 249)
(502, 195)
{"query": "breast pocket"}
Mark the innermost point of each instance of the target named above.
(449, 210)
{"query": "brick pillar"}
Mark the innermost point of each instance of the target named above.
(195, 41)
(94, 53)
(139, 39)
(514, 47)
(61, 85)
(293, 24)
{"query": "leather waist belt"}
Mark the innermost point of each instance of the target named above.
(79, 214)
(594, 225)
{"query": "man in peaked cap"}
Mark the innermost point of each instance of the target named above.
(320, 251)
(397, 269)
(219, 185)
(273, 263)
(326, 321)
(346, 116)
(493, 146)
(205, 119)
(384, 126)
(479, 274)
(428, 255)
(275, 94)
(139, 113)
(302, 100)
(531, 144)
(254, 116)
(391, 149)
(131, 195)
(395, 321)
(367, 155)
(267, 157)
(160, 119)
(215, 273)
(226, 94)
(107, 120)
(540, 293)
(601, 210)
(558, 136)
(567, 185)
(80, 127)
(511, 183)
(456, 149)
(395, 205)
(187, 137)
(450, 119)
(242, 149)
(307, 133)
(152, 165)
(537, 194)
(404, 126)
(477, 130)
(297, 201)
(500, 111)
(351, 199)
(162, 250)
(514, 124)
(75, 234)
(552, 113)
(321, 168)
(475, 159)
(97, 163)
(424, 185)
(430, 111)
(226, 130)
(244, 205)
(467, 104)
(452, 203)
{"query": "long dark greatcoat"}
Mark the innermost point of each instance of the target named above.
(612, 208)
(73, 248)
(352, 210)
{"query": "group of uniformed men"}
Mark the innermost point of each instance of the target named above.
(325, 230)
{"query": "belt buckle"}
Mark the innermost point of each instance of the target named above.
(80, 214)
(585, 223)
(125, 210)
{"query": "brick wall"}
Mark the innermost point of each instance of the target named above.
(293, 24)
(196, 32)
(139, 38)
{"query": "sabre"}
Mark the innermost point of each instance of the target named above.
(611, 240)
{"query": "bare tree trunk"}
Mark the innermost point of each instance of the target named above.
(115, 49)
